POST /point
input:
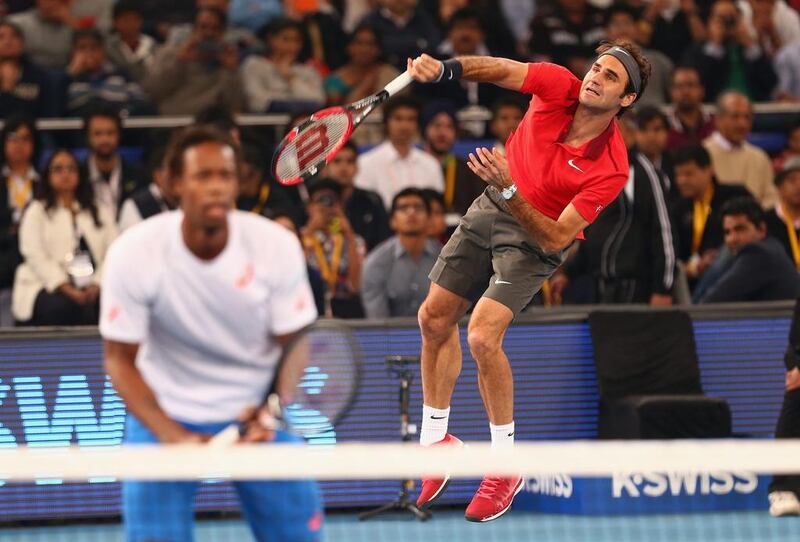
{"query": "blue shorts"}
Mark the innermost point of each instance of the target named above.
(289, 511)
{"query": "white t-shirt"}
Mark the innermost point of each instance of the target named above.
(205, 328)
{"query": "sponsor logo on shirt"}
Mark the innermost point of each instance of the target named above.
(113, 313)
(246, 278)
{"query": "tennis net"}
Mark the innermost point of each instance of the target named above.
(578, 490)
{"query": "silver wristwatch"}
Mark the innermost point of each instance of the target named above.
(508, 192)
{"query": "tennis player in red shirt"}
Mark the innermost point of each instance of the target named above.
(565, 163)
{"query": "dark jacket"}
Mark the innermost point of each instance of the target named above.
(761, 271)
(715, 70)
(132, 179)
(683, 216)
(420, 35)
(367, 215)
(777, 228)
(629, 249)
(9, 244)
(32, 95)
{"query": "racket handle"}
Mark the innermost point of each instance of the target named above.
(398, 83)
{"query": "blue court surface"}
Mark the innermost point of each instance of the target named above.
(450, 526)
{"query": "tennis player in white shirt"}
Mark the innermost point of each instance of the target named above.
(196, 304)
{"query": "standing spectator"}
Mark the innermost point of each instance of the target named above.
(157, 197)
(113, 179)
(696, 213)
(688, 123)
(568, 34)
(93, 81)
(622, 26)
(18, 184)
(406, 30)
(277, 81)
(364, 74)
(24, 87)
(202, 71)
(783, 221)
(785, 489)
(670, 27)
(48, 32)
(771, 23)
(395, 278)
(128, 48)
(507, 113)
(363, 208)
(461, 185)
(651, 141)
(257, 193)
(397, 163)
(759, 270)
(63, 238)
(730, 58)
(333, 249)
(734, 159)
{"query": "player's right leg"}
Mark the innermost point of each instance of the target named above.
(161, 511)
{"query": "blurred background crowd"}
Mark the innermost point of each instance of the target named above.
(711, 211)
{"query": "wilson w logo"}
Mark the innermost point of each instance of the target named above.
(310, 145)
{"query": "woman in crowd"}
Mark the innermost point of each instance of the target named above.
(277, 81)
(63, 238)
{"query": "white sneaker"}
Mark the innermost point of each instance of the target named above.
(783, 503)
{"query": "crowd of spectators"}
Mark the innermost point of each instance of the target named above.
(701, 208)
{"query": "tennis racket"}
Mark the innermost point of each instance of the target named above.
(314, 386)
(314, 143)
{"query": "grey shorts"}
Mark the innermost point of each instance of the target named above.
(491, 255)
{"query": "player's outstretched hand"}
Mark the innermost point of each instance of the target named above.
(491, 166)
(425, 68)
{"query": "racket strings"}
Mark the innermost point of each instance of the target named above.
(311, 145)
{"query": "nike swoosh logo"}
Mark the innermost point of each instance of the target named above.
(438, 417)
(570, 162)
(511, 434)
(498, 281)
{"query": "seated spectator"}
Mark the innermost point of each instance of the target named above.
(113, 179)
(568, 34)
(277, 81)
(465, 37)
(395, 278)
(671, 27)
(688, 123)
(128, 48)
(257, 193)
(93, 81)
(507, 113)
(24, 87)
(364, 74)
(651, 141)
(48, 32)
(771, 23)
(792, 148)
(18, 183)
(461, 185)
(157, 197)
(696, 214)
(201, 71)
(783, 221)
(63, 238)
(363, 208)
(734, 159)
(406, 30)
(437, 222)
(622, 26)
(760, 270)
(333, 249)
(629, 252)
(397, 163)
(730, 59)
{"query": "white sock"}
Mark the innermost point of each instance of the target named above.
(502, 436)
(434, 424)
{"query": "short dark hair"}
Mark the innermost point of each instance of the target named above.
(647, 114)
(744, 205)
(91, 33)
(278, 25)
(432, 195)
(644, 66)
(690, 67)
(465, 14)
(14, 122)
(349, 145)
(324, 183)
(84, 192)
(399, 102)
(183, 140)
(410, 192)
(102, 111)
(126, 6)
(691, 152)
(221, 15)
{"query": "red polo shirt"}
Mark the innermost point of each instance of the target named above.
(549, 174)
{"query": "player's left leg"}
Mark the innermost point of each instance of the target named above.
(283, 510)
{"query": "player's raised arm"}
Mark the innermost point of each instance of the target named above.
(503, 72)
